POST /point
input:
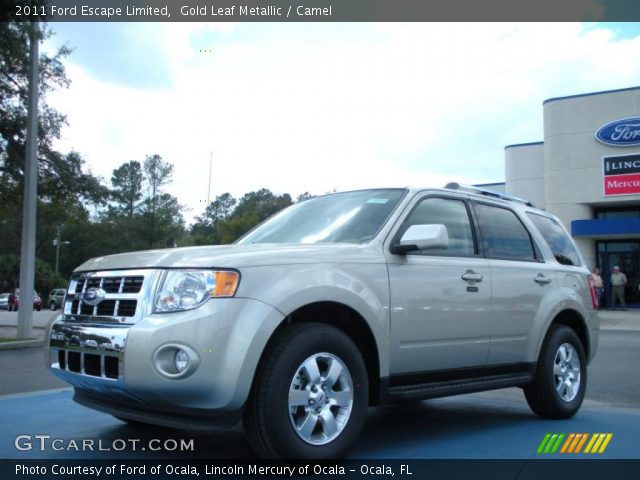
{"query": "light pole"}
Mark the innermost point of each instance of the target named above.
(29, 199)
(57, 243)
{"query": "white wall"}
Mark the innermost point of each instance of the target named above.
(524, 172)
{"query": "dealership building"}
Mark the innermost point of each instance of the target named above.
(587, 172)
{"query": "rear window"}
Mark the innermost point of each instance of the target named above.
(504, 236)
(559, 242)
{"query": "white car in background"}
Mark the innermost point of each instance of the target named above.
(4, 301)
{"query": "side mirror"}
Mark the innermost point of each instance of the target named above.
(421, 237)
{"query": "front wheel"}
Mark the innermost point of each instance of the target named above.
(310, 395)
(559, 385)
(52, 306)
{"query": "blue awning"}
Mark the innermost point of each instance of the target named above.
(606, 227)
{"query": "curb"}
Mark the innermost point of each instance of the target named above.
(21, 344)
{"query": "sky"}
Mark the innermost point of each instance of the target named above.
(320, 107)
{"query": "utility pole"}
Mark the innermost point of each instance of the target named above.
(30, 196)
(57, 243)
(209, 184)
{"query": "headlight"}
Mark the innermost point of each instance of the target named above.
(188, 289)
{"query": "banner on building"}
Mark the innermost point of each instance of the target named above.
(622, 175)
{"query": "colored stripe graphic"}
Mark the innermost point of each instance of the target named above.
(598, 443)
(607, 439)
(582, 440)
(568, 442)
(543, 443)
(551, 442)
(573, 443)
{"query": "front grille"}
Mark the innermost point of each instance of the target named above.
(124, 293)
(106, 308)
(119, 284)
(91, 364)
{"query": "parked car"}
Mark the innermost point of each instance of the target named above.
(14, 302)
(334, 304)
(4, 301)
(56, 297)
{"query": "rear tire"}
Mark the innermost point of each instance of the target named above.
(559, 386)
(52, 306)
(310, 395)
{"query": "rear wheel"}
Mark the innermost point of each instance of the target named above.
(558, 388)
(52, 306)
(310, 395)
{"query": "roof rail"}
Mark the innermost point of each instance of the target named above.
(488, 193)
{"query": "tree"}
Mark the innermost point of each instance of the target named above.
(126, 191)
(303, 196)
(157, 174)
(65, 188)
(252, 208)
(204, 228)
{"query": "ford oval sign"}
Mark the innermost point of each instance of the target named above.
(93, 296)
(620, 133)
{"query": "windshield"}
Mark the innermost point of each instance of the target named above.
(350, 217)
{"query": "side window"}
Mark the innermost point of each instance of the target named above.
(503, 234)
(452, 214)
(560, 244)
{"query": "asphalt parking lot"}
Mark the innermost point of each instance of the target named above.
(488, 425)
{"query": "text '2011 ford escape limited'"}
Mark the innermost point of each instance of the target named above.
(334, 304)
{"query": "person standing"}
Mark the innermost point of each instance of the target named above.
(598, 284)
(618, 282)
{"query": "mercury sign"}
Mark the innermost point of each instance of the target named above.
(622, 175)
(620, 133)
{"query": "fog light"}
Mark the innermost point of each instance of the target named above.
(181, 360)
(176, 360)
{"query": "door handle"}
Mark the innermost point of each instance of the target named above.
(542, 279)
(471, 276)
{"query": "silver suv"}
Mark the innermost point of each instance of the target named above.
(334, 304)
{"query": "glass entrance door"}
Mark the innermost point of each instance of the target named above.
(625, 255)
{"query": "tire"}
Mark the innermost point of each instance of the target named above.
(562, 356)
(52, 306)
(287, 376)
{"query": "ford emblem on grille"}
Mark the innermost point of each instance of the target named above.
(93, 296)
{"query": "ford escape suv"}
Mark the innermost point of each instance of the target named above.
(334, 304)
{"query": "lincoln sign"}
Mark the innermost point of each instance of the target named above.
(622, 175)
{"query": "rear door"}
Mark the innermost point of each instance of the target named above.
(520, 280)
(440, 299)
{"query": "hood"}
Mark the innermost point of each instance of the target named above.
(236, 256)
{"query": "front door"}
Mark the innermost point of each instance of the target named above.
(440, 299)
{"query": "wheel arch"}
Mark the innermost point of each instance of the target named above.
(572, 319)
(350, 322)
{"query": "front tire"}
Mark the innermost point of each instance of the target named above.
(559, 385)
(52, 306)
(310, 395)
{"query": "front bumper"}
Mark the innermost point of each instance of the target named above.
(114, 367)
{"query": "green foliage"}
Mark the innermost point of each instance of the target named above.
(46, 279)
(133, 213)
(221, 223)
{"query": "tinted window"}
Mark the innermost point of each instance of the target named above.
(558, 241)
(503, 234)
(453, 215)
